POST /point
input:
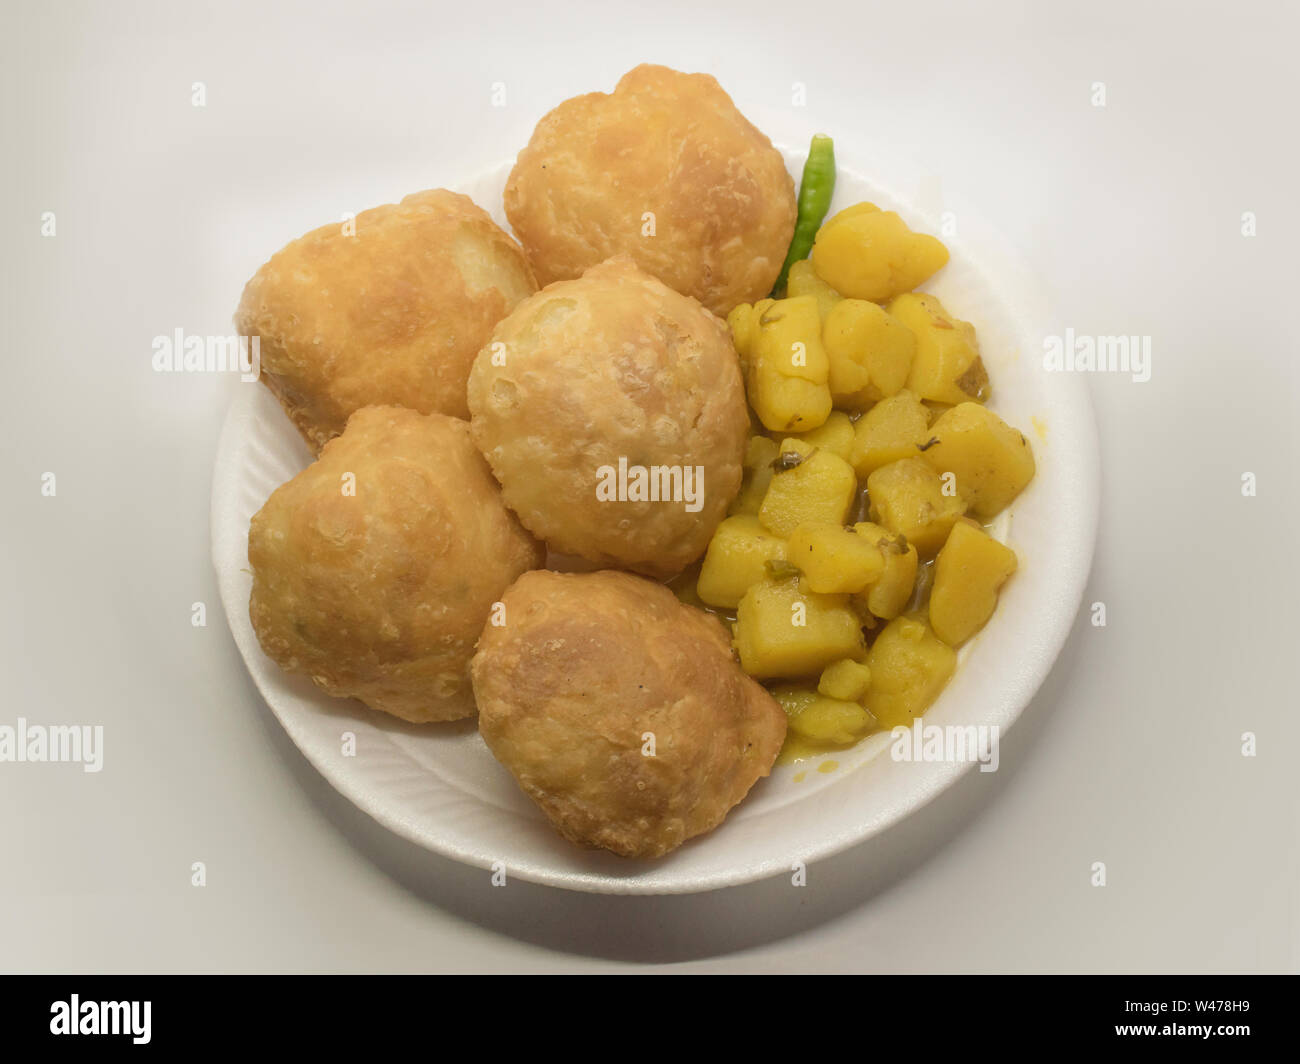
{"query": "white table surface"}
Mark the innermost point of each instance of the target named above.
(1131, 754)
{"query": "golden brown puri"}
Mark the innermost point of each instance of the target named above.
(614, 365)
(392, 315)
(380, 595)
(588, 666)
(667, 144)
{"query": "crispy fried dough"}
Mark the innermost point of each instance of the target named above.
(391, 315)
(664, 169)
(586, 672)
(613, 367)
(380, 595)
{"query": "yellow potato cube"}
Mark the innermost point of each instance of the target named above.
(832, 721)
(787, 369)
(821, 720)
(782, 631)
(810, 484)
(867, 253)
(947, 367)
(846, 680)
(893, 429)
(834, 559)
(736, 560)
(760, 453)
(909, 668)
(991, 460)
(789, 339)
(803, 281)
(889, 595)
(870, 353)
(787, 404)
(743, 322)
(910, 498)
(968, 572)
(835, 435)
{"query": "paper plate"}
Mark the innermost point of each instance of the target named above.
(438, 786)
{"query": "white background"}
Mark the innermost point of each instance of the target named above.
(1131, 213)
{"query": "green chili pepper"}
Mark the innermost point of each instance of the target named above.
(816, 187)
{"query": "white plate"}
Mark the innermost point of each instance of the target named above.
(438, 786)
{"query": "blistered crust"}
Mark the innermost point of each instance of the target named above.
(621, 711)
(391, 315)
(667, 150)
(614, 365)
(380, 595)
